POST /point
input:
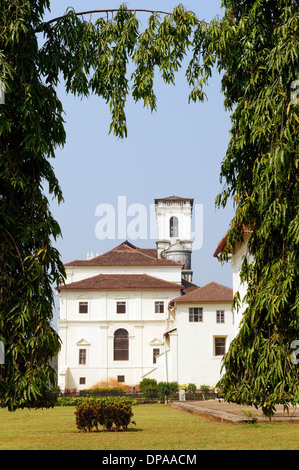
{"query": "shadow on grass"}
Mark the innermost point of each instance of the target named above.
(113, 431)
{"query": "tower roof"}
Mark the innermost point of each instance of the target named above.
(174, 199)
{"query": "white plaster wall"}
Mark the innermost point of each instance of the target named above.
(182, 212)
(95, 330)
(167, 273)
(195, 344)
(238, 286)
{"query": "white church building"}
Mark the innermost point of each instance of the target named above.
(132, 312)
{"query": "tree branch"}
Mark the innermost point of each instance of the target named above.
(107, 11)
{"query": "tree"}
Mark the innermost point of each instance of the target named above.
(256, 47)
(165, 389)
(90, 58)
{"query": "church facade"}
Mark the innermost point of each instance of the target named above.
(132, 312)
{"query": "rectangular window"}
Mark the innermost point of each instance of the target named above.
(121, 378)
(220, 316)
(159, 307)
(82, 380)
(83, 307)
(156, 353)
(220, 346)
(195, 315)
(120, 307)
(82, 356)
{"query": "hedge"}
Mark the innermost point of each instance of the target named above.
(74, 401)
(111, 414)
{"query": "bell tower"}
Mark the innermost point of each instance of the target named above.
(174, 242)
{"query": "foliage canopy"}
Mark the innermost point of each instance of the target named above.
(256, 46)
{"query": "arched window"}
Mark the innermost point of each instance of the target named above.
(121, 345)
(174, 227)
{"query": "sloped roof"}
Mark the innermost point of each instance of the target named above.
(121, 282)
(223, 240)
(126, 254)
(189, 286)
(212, 292)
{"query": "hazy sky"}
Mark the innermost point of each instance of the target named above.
(176, 150)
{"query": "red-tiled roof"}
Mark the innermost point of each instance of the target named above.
(189, 286)
(222, 242)
(221, 245)
(212, 292)
(126, 254)
(121, 282)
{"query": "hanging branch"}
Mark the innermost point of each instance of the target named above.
(139, 10)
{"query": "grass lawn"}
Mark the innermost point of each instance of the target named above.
(158, 427)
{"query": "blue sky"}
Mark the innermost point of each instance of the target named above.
(176, 150)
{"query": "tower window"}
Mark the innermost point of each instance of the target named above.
(174, 227)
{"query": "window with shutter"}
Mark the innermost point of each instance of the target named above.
(156, 353)
(83, 307)
(121, 345)
(82, 356)
(120, 307)
(159, 307)
(220, 346)
(220, 316)
(195, 315)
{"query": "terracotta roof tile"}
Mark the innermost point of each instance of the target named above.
(126, 254)
(212, 292)
(222, 242)
(189, 286)
(120, 282)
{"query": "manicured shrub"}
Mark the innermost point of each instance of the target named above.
(73, 401)
(111, 415)
(167, 388)
(191, 387)
(148, 387)
(103, 391)
(86, 416)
